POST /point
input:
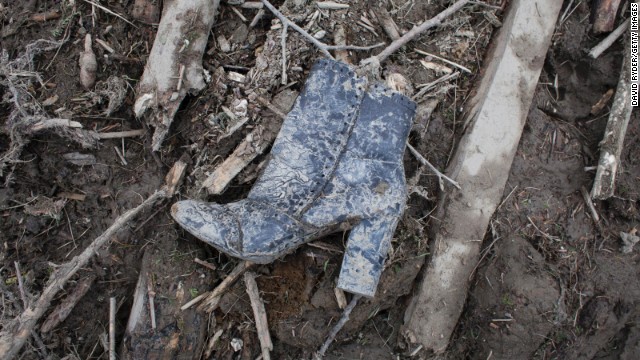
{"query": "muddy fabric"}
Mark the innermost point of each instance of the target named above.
(336, 164)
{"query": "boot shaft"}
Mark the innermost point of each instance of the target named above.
(332, 118)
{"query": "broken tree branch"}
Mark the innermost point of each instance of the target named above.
(324, 48)
(609, 40)
(611, 144)
(425, 162)
(174, 68)
(413, 33)
(15, 333)
(62, 311)
(254, 144)
(211, 298)
(339, 325)
(112, 328)
(259, 314)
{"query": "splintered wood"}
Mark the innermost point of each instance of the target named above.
(259, 314)
(174, 68)
(611, 144)
(481, 165)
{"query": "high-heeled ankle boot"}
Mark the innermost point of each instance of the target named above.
(335, 165)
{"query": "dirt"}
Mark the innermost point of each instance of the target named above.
(551, 283)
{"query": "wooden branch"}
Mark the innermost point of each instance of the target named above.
(174, 67)
(415, 32)
(324, 48)
(259, 314)
(609, 40)
(112, 328)
(611, 144)
(15, 333)
(338, 326)
(388, 25)
(62, 311)
(121, 134)
(212, 298)
(426, 163)
(605, 15)
(243, 155)
(254, 144)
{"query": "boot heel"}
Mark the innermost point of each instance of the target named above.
(365, 254)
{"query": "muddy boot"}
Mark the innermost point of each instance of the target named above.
(335, 165)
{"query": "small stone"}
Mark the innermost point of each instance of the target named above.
(320, 34)
(236, 344)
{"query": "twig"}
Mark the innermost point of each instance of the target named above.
(331, 5)
(443, 60)
(53, 123)
(587, 200)
(62, 311)
(257, 18)
(112, 328)
(23, 295)
(213, 297)
(104, 45)
(334, 331)
(481, 3)
(324, 48)
(611, 144)
(432, 84)
(42, 17)
(548, 236)
(413, 33)
(259, 314)
(440, 175)
(120, 155)
(152, 307)
(121, 134)
(237, 12)
(208, 265)
(15, 333)
(283, 44)
(110, 12)
(609, 40)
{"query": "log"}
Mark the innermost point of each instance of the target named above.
(611, 145)
(495, 119)
(174, 68)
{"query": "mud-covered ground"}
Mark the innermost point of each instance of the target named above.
(551, 283)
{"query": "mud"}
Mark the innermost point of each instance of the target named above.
(568, 289)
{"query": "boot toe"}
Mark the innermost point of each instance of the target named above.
(209, 222)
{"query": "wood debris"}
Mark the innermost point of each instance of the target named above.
(259, 314)
(62, 311)
(605, 12)
(614, 133)
(481, 165)
(174, 67)
(14, 335)
(88, 65)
